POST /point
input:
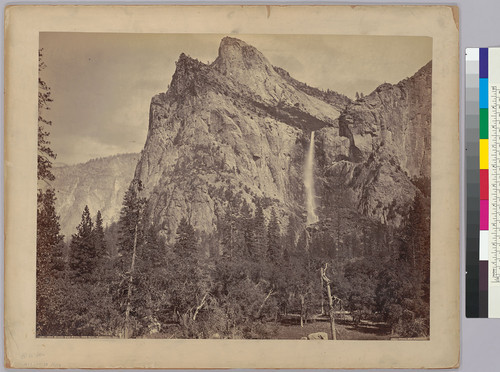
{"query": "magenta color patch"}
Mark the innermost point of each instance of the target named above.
(483, 215)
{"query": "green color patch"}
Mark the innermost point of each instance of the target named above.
(483, 123)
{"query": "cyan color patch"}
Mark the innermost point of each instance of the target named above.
(483, 93)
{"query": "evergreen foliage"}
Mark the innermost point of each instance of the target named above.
(259, 248)
(49, 255)
(99, 240)
(45, 154)
(48, 239)
(253, 279)
(49, 264)
(131, 221)
(274, 238)
(82, 256)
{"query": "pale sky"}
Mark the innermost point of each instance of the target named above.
(102, 84)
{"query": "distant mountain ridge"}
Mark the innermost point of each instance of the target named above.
(99, 183)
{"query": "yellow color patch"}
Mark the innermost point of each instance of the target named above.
(483, 154)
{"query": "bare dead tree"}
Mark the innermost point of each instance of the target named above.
(130, 281)
(140, 206)
(269, 294)
(322, 297)
(302, 309)
(330, 300)
(199, 307)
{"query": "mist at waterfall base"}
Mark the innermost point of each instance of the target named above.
(309, 183)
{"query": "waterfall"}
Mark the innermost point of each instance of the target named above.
(309, 184)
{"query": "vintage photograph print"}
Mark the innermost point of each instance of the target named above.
(206, 186)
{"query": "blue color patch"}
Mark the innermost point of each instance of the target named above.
(483, 63)
(483, 93)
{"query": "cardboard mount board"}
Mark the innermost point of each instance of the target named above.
(23, 25)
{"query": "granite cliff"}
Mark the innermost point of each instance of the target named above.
(239, 128)
(381, 149)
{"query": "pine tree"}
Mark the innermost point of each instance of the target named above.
(151, 249)
(49, 263)
(228, 234)
(415, 250)
(82, 257)
(49, 239)
(274, 238)
(235, 229)
(131, 221)
(48, 228)
(148, 298)
(99, 241)
(45, 153)
(260, 234)
(189, 282)
(246, 225)
(289, 238)
(131, 237)
(112, 236)
(185, 246)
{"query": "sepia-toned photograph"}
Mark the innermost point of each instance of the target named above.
(218, 186)
(222, 187)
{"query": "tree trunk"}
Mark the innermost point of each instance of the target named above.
(184, 320)
(130, 281)
(203, 301)
(330, 301)
(322, 296)
(263, 303)
(302, 311)
(332, 316)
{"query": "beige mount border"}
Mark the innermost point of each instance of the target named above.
(23, 24)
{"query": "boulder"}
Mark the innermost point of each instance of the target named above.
(318, 336)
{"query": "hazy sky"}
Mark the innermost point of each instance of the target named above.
(102, 84)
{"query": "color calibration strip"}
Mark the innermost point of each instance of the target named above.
(483, 182)
(482, 143)
(473, 303)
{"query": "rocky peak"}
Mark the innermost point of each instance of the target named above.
(187, 71)
(186, 63)
(236, 55)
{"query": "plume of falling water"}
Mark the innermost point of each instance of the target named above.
(309, 183)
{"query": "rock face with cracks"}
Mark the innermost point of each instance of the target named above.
(239, 129)
(383, 149)
(233, 126)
